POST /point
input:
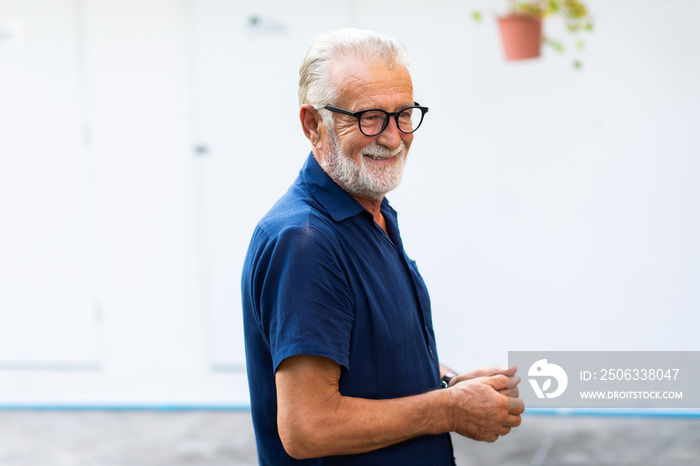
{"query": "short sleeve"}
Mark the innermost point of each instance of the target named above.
(304, 301)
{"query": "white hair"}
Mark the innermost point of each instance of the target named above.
(330, 48)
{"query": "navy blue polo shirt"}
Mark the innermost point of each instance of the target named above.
(322, 278)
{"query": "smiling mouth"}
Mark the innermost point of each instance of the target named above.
(380, 157)
(380, 153)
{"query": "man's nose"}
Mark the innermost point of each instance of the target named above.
(391, 136)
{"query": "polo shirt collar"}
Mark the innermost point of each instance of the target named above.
(339, 204)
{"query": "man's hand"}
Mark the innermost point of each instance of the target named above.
(482, 408)
(491, 371)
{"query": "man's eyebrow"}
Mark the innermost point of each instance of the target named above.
(398, 107)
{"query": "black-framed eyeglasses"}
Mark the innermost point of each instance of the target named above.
(373, 121)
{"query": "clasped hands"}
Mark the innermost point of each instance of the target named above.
(485, 403)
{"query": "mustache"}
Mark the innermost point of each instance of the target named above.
(378, 150)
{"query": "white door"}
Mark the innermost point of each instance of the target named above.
(49, 309)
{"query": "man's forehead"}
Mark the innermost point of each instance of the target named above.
(365, 83)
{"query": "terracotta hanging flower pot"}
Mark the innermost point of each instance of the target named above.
(521, 35)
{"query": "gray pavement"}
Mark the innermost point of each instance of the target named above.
(225, 438)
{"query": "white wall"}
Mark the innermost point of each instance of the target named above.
(547, 207)
(563, 203)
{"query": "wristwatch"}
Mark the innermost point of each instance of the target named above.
(445, 380)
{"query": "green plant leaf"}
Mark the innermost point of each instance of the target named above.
(556, 45)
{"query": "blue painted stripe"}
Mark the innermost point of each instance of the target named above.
(655, 413)
(167, 408)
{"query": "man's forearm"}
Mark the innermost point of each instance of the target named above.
(346, 425)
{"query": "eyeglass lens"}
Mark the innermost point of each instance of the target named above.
(374, 121)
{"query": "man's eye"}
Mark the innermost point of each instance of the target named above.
(372, 117)
(405, 115)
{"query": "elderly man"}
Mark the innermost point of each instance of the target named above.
(341, 355)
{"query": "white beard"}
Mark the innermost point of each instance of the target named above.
(364, 179)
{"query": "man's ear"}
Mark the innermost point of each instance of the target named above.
(311, 124)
